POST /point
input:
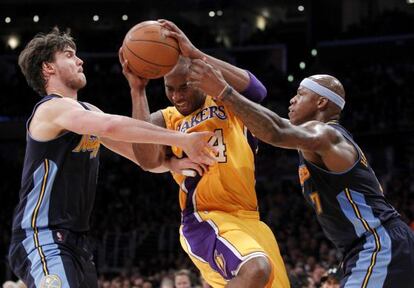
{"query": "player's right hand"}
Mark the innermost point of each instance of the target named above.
(134, 81)
(206, 78)
(198, 149)
(187, 48)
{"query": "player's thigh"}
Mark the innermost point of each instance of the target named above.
(382, 259)
(212, 277)
(226, 243)
(259, 240)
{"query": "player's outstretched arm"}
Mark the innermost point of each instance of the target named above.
(241, 80)
(262, 122)
(67, 114)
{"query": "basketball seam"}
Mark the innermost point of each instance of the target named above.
(153, 41)
(147, 60)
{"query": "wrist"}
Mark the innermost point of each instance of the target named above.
(137, 92)
(179, 139)
(227, 90)
(196, 54)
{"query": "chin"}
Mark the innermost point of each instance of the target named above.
(80, 84)
(294, 121)
(184, 112)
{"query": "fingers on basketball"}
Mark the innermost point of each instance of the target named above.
(150, 53)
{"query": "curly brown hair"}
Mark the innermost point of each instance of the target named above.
(42, 48)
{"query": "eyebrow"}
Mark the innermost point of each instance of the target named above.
(181, 86)
(69, 50)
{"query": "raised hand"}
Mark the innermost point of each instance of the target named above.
(187, 48)
(134, 81)
(197, 148)
(205, 77)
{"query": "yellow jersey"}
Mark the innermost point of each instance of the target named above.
(229, 185)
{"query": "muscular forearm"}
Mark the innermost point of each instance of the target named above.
(137, 131)
(149, 156)
(140, 109)
(263, 123)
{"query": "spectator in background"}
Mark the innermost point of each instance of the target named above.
(166, 282)
(11, 284)
(182, 279)
(331, 279)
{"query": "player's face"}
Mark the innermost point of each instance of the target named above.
(182, 281)
(185, 98)
(69, 68)
(303, 106)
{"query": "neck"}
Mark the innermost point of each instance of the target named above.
(61, 90)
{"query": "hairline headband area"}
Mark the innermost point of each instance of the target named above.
(323, 91)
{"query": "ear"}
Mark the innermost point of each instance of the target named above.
(48, 68)
(323, 103)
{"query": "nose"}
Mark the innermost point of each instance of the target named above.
(80, 61)
(292, 100)
(176, 95)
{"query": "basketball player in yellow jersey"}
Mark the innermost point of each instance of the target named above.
(221, 230)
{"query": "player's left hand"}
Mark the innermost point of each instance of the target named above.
(205, 77)
(134, 81)
(198, 148)
(185, 166)
(187, 48)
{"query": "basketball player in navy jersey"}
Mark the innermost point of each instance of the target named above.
(49, 246)
(336, 179)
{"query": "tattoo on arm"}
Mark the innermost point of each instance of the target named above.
(263, 123)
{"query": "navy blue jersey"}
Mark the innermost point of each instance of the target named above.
(348, 205)
(58, 182)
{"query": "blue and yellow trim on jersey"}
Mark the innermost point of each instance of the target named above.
(375, 255)
(34, 218)
(368, 229)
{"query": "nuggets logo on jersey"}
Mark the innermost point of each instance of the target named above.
(88, 143)
(51, 281)
(303, 174)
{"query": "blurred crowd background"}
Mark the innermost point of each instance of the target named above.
(367, 45)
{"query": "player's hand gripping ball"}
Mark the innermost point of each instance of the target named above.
(149, 52)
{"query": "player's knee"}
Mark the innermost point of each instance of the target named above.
(257, 269)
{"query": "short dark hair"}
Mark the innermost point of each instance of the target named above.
(183, 272)
(334, 274)
(42, 48)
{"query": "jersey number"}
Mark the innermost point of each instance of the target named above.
(316, 200)
(218, 142)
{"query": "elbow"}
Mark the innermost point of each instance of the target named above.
(148, 164)
(148, 156)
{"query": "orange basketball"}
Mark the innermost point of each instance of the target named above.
(149, 52)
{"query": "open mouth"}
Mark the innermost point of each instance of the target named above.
(181, 104)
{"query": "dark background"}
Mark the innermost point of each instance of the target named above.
(368, 45)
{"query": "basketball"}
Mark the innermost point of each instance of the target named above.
(149, 52)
